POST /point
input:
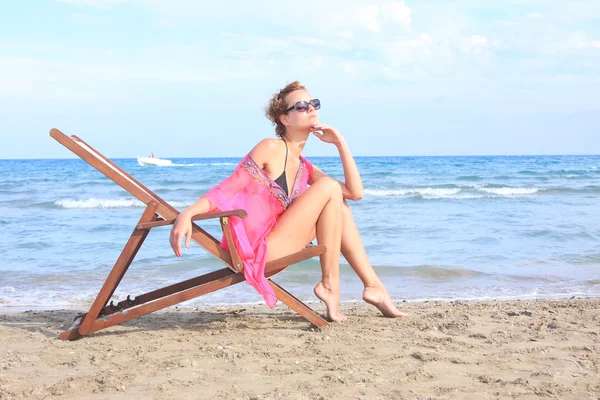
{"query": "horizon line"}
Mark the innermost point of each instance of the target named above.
(355, 156)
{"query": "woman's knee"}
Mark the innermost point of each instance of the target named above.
(331, 186)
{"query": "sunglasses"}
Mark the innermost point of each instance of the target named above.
(302, 106)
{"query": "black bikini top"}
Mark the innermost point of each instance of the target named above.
(282, 179)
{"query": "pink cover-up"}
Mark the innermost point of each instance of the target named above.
(251, 189)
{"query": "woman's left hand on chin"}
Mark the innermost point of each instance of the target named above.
(327, 134)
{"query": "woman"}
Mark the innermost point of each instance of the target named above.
(290, 202)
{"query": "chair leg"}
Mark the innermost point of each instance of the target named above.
(156, 294)
(298, 306)
(171, 295)
(123, 262)
(219, 280)
(102, 316)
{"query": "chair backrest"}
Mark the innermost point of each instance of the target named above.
(107, 167)
(136, 189)
(112, 167)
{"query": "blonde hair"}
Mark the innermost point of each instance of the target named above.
(278, 104)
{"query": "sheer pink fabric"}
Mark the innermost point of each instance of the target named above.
(251, 189)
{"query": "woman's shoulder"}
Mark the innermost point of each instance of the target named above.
(263, 151)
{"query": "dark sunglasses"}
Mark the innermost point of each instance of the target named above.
(302, 106)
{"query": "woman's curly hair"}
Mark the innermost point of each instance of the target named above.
(278, 105)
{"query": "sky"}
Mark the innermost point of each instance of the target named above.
(187, 78)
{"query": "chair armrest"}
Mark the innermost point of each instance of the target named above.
(199, 217)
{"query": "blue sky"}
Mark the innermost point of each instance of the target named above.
(187, 78)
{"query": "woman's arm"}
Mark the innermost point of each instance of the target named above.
(201, 206)
(352, 189)
(183, 224)
(216, 197)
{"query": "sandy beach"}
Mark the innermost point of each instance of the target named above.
(445, 350)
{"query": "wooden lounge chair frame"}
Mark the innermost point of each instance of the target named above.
(158, 212)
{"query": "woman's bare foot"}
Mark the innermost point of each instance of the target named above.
(331, 300)
(378, 296)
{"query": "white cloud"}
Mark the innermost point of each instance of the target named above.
(35, 78)
(335, 17)
(535, 15)
(397, 12)
(575, 42)
(374, 16)
(92, 3)
(347, 34)
(368, 40)
(580, 41)
(349, 68)
(474, 44)
(407, 51)
(318, 61)
(368, 17)
(424, 40)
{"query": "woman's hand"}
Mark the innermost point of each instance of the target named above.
(181, 228)
(328, 134)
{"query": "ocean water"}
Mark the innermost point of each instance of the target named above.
(433, 228)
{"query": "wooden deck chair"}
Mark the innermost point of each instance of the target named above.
(160, 213)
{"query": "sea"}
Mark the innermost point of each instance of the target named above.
(434, 228)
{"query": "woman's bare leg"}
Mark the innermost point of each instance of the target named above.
(319, 210)
(354, 251)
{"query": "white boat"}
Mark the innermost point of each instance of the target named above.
(153, 161)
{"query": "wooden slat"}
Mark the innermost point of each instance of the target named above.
(199, 217)
(138, 311)
(221, 277)
(150, 296)
(126, 315)
(271, 268)
(105, 166)
(235, 257)
(292, 302)
(282, 263)
(116, 317)
(73, 332)
(116, 274)
(137, 190)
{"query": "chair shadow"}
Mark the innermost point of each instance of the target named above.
(51, 323)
